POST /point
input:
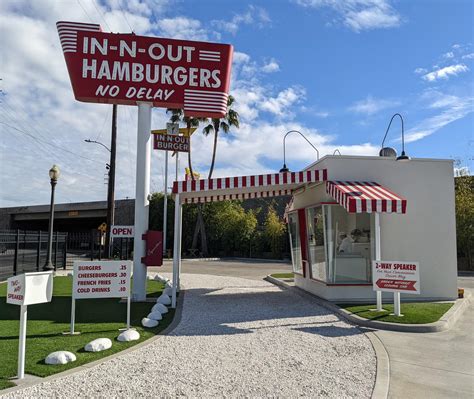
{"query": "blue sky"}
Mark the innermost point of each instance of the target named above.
(335, 70)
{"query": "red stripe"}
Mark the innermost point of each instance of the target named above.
(269, 179)
(325, 174)
(219, 184)
(301, 175)
(201, 185)
(175, 187)
(193, 185)
(292, 177)
(252, 181)
(404, 206)
(260, 180)
(308, 175)
(277, 179)
(183, 186)
(227, 182)
(384, 205)
(236, 182)
(210, 184)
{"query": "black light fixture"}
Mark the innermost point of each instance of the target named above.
(285, 169)
(54, 176)
(390, 152)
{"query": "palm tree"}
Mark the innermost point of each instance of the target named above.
(177, 116)
(231, 118)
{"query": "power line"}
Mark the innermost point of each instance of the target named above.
(102, 15)
(50, 144)
(124, 16)
(79, 2)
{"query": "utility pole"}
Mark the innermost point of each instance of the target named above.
(111, 185)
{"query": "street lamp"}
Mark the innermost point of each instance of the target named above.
(284, 169)
(54, 176)
(387, 151)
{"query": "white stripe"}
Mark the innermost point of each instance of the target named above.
(65, 23)
(69, 51)
(205, 106)
(68, 30)
(214, 96)
(208, 59)
(209, 51)
(213, 99)
(68, 35)
(205, 92)
(205, 101)
(239, 182)
(204, 109)
(69, 41)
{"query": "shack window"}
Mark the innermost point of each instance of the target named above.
(295, 242)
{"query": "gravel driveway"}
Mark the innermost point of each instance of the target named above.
(236, 338)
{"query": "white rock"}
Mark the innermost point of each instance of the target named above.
(146, 322)
(168, 291)
(128, 335)
(164, 299)
(155, 315)
(158, 277)
(98, 345)
(159, 307)
(60, 357)
(168, 284)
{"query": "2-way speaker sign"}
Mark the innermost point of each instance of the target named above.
(126, 68)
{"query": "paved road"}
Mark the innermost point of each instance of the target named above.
(434, 365)
(237, 338)
(251, 269)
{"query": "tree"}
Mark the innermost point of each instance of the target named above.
(274, 230)
(231, 118)
(465, 217)
(177, 116)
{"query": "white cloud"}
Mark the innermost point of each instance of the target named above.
(255, 16)
(468, 56)
(371, 105)
(280, 105)
(271, 66)
(450, 108)
(444, 73)
(420, 71)
(182, 28)
(449, 54)
(360, 15)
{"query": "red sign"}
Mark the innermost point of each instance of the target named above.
(398, 285)
(154, 248)
(170, 142)
(125, 69)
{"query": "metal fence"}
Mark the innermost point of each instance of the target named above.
(25, 251)
(90, 245)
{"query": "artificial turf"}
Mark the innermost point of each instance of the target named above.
(95, 318)
(413, 313)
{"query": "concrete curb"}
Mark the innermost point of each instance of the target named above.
(443, 324)
(166, 331)
(382, 377)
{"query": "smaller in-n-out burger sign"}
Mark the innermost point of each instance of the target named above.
(170, 142)
(121, 232)
(127, 68)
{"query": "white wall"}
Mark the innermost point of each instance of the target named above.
(426, 233)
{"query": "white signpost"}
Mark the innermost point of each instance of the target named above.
(121, 232)
(101, 279)
(396, 277)
(23, 290)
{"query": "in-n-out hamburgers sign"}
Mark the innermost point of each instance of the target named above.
(126, 68)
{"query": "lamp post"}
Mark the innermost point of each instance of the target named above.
(284, 169)
(54, 176)
(387, 151)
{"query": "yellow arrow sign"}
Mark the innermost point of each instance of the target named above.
(102, 227)
(182, 130)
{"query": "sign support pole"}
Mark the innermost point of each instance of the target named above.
(73, 316)
(22, 342)
(165, 205)
(128, 312)
(176, 247)
(378, 257)
(396, 304)
(142, 191)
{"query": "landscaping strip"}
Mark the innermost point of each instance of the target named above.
(95, 318)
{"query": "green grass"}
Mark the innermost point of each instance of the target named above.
(95, 318)
(413, 313)
(283, 275)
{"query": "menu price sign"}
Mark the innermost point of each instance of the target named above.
(101, 279)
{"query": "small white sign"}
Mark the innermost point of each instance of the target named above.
(172, 128)
(122, 232)
(396, 276)
(101, 279)
(30, 288)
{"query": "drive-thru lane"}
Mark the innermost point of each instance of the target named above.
(237, 338)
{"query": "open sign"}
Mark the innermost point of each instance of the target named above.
(121, 232)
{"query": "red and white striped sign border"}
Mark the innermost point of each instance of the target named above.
(231, 197)
(357, 197)
(224, 183)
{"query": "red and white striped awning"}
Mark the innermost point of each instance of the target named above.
(358, 196)
(245, 187)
